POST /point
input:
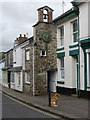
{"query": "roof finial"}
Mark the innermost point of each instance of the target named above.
(63, 4)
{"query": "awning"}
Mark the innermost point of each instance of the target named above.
(52, 70)
(5, 68)
(15, 69)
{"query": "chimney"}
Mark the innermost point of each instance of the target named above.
(16, 42)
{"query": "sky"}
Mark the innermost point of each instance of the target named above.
(18, 17)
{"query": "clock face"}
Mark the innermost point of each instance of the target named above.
(46, 37)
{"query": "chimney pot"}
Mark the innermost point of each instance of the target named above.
(20, 35)
(25, 35)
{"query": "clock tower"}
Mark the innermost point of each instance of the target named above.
(45, 39)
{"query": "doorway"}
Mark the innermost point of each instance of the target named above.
(9, 80)
(52, 81)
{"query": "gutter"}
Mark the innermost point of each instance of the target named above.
(78, 87)
(33, 73)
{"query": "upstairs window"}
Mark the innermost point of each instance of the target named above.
(43, 53)
(75, 31)
(61, 36)
(14, 56)
(27, 55)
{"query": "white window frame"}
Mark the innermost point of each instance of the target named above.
(62, 69)
(12, 78)
(27, 76)
(23, 60)
(88, 67)
(27, 55)
(76, 32)
(19, 78)
(42, 54)
(60, 37)
(14, 56)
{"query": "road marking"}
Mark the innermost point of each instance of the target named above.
(53, 116)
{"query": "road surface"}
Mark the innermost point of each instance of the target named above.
(12, 108)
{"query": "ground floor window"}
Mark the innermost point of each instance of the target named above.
(19, 78)
(27, 77)
(12, 77)
(62, 68)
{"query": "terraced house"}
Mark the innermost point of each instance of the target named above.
(73, 50)
(6, 68)
(16, 70)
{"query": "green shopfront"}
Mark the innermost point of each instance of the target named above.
(85, 45)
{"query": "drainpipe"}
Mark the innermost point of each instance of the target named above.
(33, 73)
(75, 5)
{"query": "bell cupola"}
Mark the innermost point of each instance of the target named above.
(45, 14)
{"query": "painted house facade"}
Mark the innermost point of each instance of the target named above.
(2, 64)
(73, 50)
(8, 65)
(16, 71)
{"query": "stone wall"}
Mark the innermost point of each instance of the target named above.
(28, 66)
(42, 64)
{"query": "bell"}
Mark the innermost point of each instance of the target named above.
(45, 16)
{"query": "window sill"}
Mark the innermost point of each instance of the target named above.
(12, 83)
(60, 82)
(27, 60)
(27, 83)
(60, 48)
(88, 87)
(73, 45)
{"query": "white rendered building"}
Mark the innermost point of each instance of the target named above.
(73, 50)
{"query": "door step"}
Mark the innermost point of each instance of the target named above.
(74, 95)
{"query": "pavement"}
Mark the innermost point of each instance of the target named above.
(69, 107)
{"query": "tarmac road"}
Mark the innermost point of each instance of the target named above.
(12, 108)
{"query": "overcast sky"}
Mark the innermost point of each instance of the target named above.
(18, 17)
